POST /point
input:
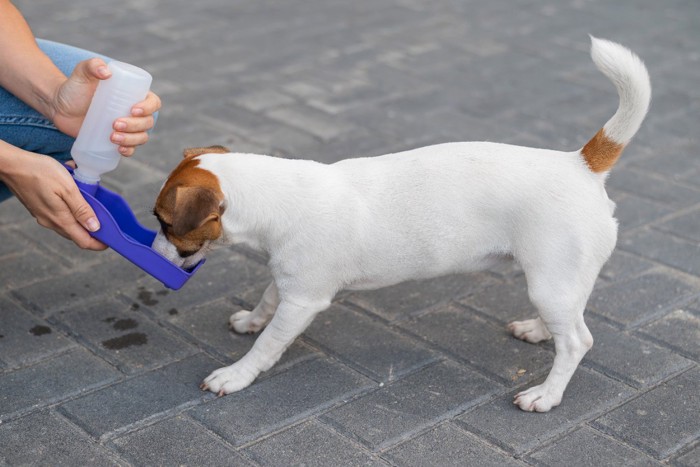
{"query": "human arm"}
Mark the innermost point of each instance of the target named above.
(38, 181)
(26, 72)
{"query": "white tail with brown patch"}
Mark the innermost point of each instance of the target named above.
(630, 77)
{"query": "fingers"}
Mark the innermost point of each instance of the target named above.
(81, 210)
(132, 131)
(148, 106)
(134, 124)
(94, 68)
(82, 238)
(84, 218)
(129, 140)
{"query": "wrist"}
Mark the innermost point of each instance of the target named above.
(12, 159)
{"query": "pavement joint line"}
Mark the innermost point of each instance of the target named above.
(629, 382)
(450, 355)
(366, 372)
(56, 402)
(581, 420)
(619, 441)
(105, 447)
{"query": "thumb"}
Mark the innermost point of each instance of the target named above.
(90, 70)
(82, 211)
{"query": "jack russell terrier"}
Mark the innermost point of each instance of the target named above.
(372, 222)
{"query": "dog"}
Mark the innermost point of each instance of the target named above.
(372, 222)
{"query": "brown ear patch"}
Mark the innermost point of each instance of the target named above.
(191, 152)
(195, 207)
(601, 152)
(189, 206)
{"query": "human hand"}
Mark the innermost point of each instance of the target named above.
(49, 193)
(73, 97)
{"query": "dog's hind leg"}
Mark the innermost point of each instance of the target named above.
(250, 322)
(560, 304)
(289, 321)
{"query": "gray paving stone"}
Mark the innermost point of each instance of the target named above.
(689, 459)
(586, 447)
(446, 446)
(260, 99)
(208, 324)
(398, 410)
(400, 301)
(687, 225)
(225, 273)
(46, 438)
(70, 289)
(283, 399)
(660, 421)
(58, 248)
(633, 211)
(505, 302)
(27, 267)
(673, 251)
(368, 344)
(122, 335)
(657, 189)
(641, 299)
(59, 378)
(676, 163)
(176, 441)
(13, 212)
(309, 444)
(622, 265)
(122, 405)
(629, 359)
(10, 242)
(319, 124)
(25, 339)
(679, 330)
(505, 425)
(484, 345)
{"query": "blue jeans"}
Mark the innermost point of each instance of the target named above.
(24, 127)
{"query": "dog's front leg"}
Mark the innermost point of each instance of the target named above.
(289, 321)
(250, 322)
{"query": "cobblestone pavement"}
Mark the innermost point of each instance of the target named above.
(100, 365)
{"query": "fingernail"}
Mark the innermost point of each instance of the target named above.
(104, 71)
(117, 138)
(93, 225)
(121, 126)
(137, 111)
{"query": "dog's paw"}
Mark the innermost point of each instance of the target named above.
(227, 380)
(537, 399)
(243, 322)
(531, 330)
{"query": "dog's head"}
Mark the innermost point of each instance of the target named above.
(189, 209)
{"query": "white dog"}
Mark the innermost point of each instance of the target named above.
(372, 222)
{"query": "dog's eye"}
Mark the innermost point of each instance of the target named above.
(164, 226)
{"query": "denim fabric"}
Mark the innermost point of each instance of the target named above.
(24, 127)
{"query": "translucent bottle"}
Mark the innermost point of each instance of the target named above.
(93, 150)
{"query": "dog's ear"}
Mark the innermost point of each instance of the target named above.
(195, 207)
(191, 152)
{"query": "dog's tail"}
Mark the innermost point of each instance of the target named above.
(630, 77)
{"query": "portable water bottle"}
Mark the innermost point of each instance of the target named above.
(93, 150)
(95, 154)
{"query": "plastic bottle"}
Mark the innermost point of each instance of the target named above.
(93, 150)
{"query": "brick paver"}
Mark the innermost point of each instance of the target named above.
(100, 365)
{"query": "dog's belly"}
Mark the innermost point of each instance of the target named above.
(392, 276)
